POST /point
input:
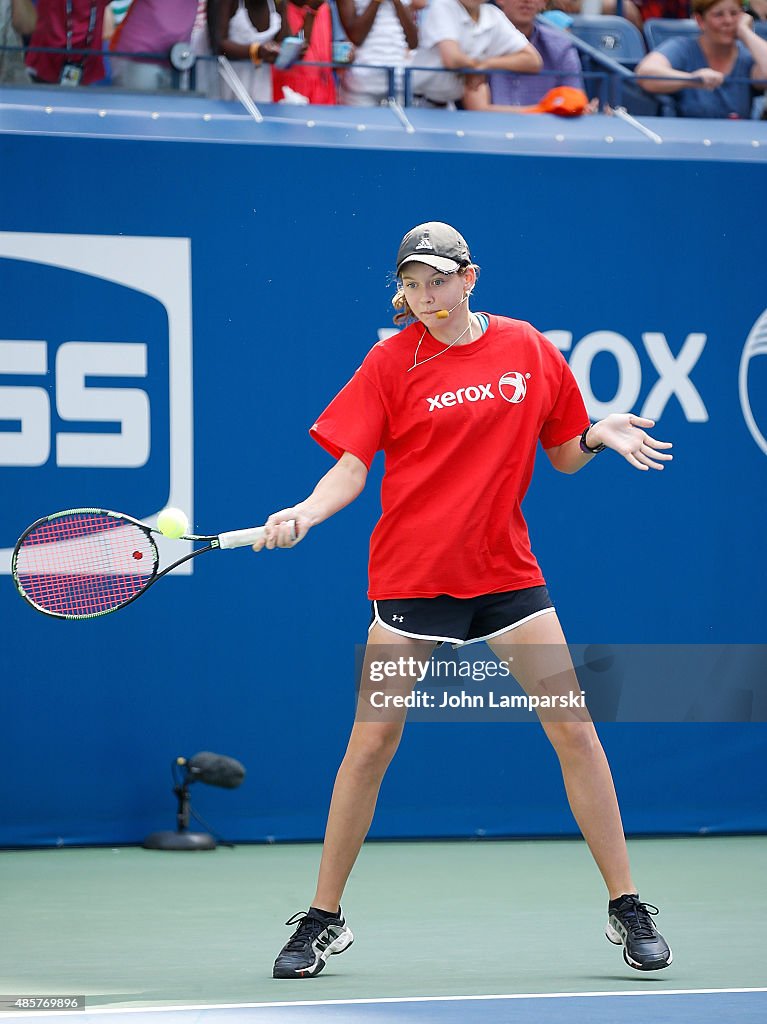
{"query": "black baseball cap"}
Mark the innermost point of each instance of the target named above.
(436, 244)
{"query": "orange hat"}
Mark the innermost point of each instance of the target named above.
(564, 100)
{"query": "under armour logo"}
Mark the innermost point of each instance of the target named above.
(398, 618)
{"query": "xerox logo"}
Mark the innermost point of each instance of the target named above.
(755, 411)
(95, 376)
(474, 393)
(512, 386)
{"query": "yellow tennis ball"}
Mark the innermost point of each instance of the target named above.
(172, 522)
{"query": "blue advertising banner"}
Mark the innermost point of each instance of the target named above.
(174, 318)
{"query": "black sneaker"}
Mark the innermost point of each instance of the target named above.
(307, 950)
(630, 925)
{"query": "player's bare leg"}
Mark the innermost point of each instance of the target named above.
(373, 742)
(322, 931)
(541, 663)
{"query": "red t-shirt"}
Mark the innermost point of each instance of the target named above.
(459, 435)
(51, 30)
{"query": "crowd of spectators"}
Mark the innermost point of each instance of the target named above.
(475, 54)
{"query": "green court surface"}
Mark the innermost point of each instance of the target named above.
(130, 927)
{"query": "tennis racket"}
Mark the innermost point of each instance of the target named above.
(87, 562)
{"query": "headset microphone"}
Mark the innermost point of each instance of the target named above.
(443, 314)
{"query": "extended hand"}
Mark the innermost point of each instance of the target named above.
(624, 433)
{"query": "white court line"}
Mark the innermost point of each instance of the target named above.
(390, 999)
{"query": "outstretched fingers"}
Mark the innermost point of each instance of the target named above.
(640, 421)
(627, 435)
(633, 460)
(658, 445)
(651, 453)
(654, 453)
(647, 457)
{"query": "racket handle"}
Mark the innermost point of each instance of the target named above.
(244, 538)
(240, 538)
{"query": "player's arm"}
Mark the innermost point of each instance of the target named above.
(624, 433)
(337, 489)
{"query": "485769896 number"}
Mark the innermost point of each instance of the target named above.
(21, 1003)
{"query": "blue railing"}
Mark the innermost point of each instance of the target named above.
(614, 85)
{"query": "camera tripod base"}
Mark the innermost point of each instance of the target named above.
(179, 841)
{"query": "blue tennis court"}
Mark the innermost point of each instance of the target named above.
(703, 1006)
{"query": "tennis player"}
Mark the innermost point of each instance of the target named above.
(458, 402)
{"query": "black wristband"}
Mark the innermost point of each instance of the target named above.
(585, 448)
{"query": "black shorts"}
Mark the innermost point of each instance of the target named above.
(460, 620)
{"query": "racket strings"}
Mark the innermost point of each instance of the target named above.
(84, 563)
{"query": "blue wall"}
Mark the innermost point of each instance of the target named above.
(288, 271)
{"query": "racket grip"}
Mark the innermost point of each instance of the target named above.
(243, 538)
(240, 538)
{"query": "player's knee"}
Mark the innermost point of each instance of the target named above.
(372, 749)
(573, 739)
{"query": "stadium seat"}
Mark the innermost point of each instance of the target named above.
(613, 83)
(615, 37)
(658, 30)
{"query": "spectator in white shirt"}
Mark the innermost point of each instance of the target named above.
(383, 32)
(465, 34)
